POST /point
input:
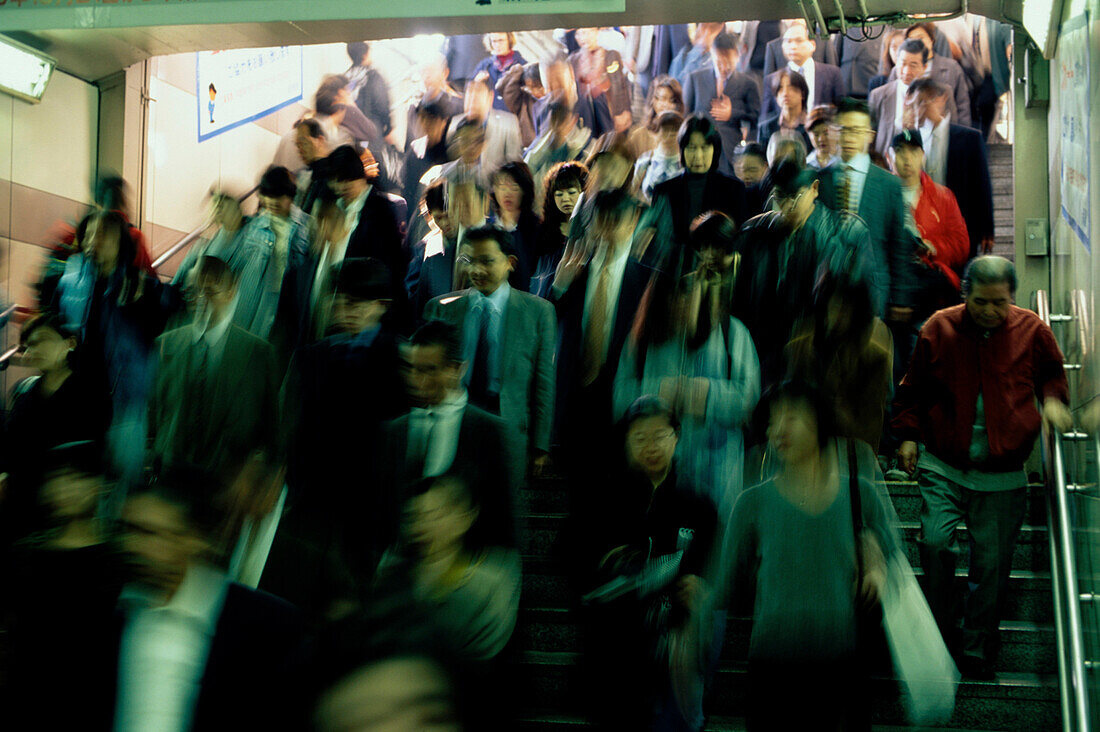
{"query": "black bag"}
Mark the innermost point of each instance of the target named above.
(872, 651)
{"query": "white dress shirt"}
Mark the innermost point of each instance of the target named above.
(616, 269)
(856, 170)
(335, 252)
(809, 73)
(899, 106)
(439, 425)
(164, 651)
(214, 334)
(935, 140)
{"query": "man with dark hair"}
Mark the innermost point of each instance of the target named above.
(213, 401)
(466, 143)
(822, 79)
(434, 73)
(751, 166)
(944, 69)
(728, 97)
(519, 88)
(425, 152)
(313, 146)
(335, 105)
(955, 157)
(509, 339)
(368, 88)
(434, 260)
(970, 397)
(373, 226)
(502, 139)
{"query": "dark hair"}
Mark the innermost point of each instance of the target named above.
(110, 193)
(511, 40)
(313, 127)
(127, 247)
(432, 109)
(491, 232)
(344, 164)
(879, 159)
(908, 138)
(821, 114)
(439, 333)
(798, 390)
(789, 176)
(648, 406)
(211, 266)
(532, 74)
(48, 319)
(724, 41)
(84, 457)
(212, 88)
(277, 182)
(989, 270)
(928, 28)
(612, 143)
(324, 101)
(518, 171)
(199, 493)
(614, 204)
(560, 112)
(469, 125)
(925, 84)
(668, 120)
(663, 81)
(855, 292)
(492, 527)
(885, 62)
(713, 229)
(795, 80)
(753, 150)
(363, 278)
(561, 176)
(848, 105)
(913, 46)
(435, 195)
(701, 124)
(82, 228)
(357, 51)
(474, 83)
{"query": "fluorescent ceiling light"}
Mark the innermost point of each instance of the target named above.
(24, 72)
(1042, 19)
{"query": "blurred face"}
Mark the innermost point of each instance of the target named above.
(560, 81)
(443, 220)
(348, 190)
(395, 695)
(588, 37)
(921, 35)
(650, 444)
(47, 350)
(792, 430)
(823, 137)
(102, 245)
(611, 172)
(467, 204)
(507, 192)
(988, 305)
(434, 74)
(351, 316)
(430, 377)
(486, 265)
(910, 66)
(158, 542)
(715, 259)
(437, 520)
(751, 169)
(724, 61)
(71, 494)
(797, 208)
(498, 44)
(566, 199)
(797, 46)
(478, 101)
(227, 210)
(433, 127)
(215, 295)
(789, 97)
(666, 137)
(309, 147)
(927, 106)
(280, 205)
(698, 153)
(855, 134)
(895, 45)
(664, 101)
(468, 145)
(908, 162)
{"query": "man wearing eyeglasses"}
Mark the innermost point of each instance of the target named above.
(783, 251)
(508, 338)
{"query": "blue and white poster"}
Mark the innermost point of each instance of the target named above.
(242, 85)
(1073, 76)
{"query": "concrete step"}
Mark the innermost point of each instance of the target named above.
(1025, 646)
(563, 722)
(1012, 701)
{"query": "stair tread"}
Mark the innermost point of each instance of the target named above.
(717, 723)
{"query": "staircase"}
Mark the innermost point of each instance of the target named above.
(1001, 175)
(1024, 695)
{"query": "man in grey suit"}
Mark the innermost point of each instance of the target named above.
(855, 185)
(823, 79)
(502, 138)
(858, 58)
(213, 403)
(735, 108)
(509, 341)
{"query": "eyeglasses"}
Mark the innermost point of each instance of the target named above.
(653, 438)
(467, 260)
(782, 204)
(854, 131)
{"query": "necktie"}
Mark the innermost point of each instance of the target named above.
(200, 396)
(418, 465)
(844, 190)
(595, 336)
(479, 375)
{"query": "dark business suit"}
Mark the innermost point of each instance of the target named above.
(582, 416)
(883, 101)
(828, 89)
(824, 53)
(432, 276)
(237, 413)
(702, 88)
(882, 209)
(858, 59)
(527, 339)
(948, 72)
(380, 233)
(670, 250)
(597, 120)
(968, 178)
(771, 125)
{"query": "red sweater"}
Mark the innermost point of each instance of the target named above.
(954, 358)
(941, 223)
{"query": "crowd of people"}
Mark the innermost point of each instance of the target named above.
(716, 278)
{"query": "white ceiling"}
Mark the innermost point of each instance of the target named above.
(94, 54)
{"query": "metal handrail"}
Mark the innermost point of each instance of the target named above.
(1068, 625)
(191, 237)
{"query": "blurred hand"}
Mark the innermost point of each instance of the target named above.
(540, 466)
(907, 456)
(573, 260)
(619, 559)
(987, 245)
(1056, 415)
(690, 592)
(873, 581)
(623, 121)
(482, 76)
(721, 109)
(929, 247)
(899, 314)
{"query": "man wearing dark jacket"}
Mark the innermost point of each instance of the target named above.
(970, 397)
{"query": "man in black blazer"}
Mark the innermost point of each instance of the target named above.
(775, 58)
(598, 270)
(962, 167)
(799, 51)
(735, 107)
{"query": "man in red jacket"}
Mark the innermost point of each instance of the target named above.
(970, 396)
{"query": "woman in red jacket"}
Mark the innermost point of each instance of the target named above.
(936, 219)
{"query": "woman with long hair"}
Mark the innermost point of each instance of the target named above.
(563, 185)
(665, 95)
(512, 204)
